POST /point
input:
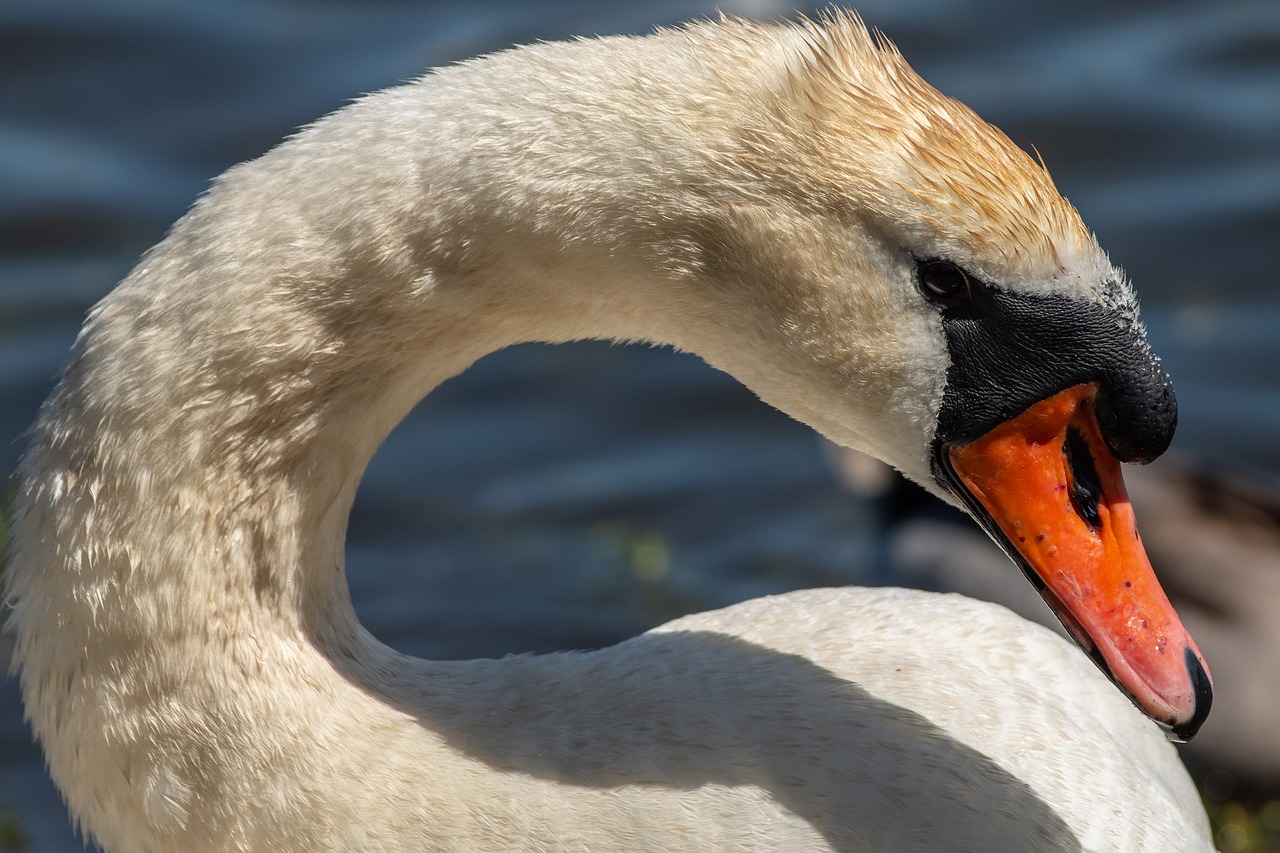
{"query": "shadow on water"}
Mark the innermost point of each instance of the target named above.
(694, 718)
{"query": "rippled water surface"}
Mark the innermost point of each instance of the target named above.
(572, 496)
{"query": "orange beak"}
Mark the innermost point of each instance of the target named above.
(1052, 492)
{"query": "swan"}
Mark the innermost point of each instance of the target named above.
(790, 202)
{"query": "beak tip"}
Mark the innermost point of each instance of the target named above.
(1202, 688)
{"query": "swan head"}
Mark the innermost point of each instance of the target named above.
(983, 341)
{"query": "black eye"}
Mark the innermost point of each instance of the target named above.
(942, 282)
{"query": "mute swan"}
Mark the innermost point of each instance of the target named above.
(788, 201)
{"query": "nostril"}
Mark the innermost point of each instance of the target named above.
(1086, 485)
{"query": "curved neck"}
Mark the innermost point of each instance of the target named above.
(208, 435)
(222, 403)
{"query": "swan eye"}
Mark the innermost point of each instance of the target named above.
(942, 282)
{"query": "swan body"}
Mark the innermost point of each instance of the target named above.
(765, 196)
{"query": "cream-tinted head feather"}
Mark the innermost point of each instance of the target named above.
(868, 136)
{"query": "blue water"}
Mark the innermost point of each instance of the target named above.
(571, 496)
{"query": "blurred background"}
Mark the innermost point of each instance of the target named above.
(569, 497)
